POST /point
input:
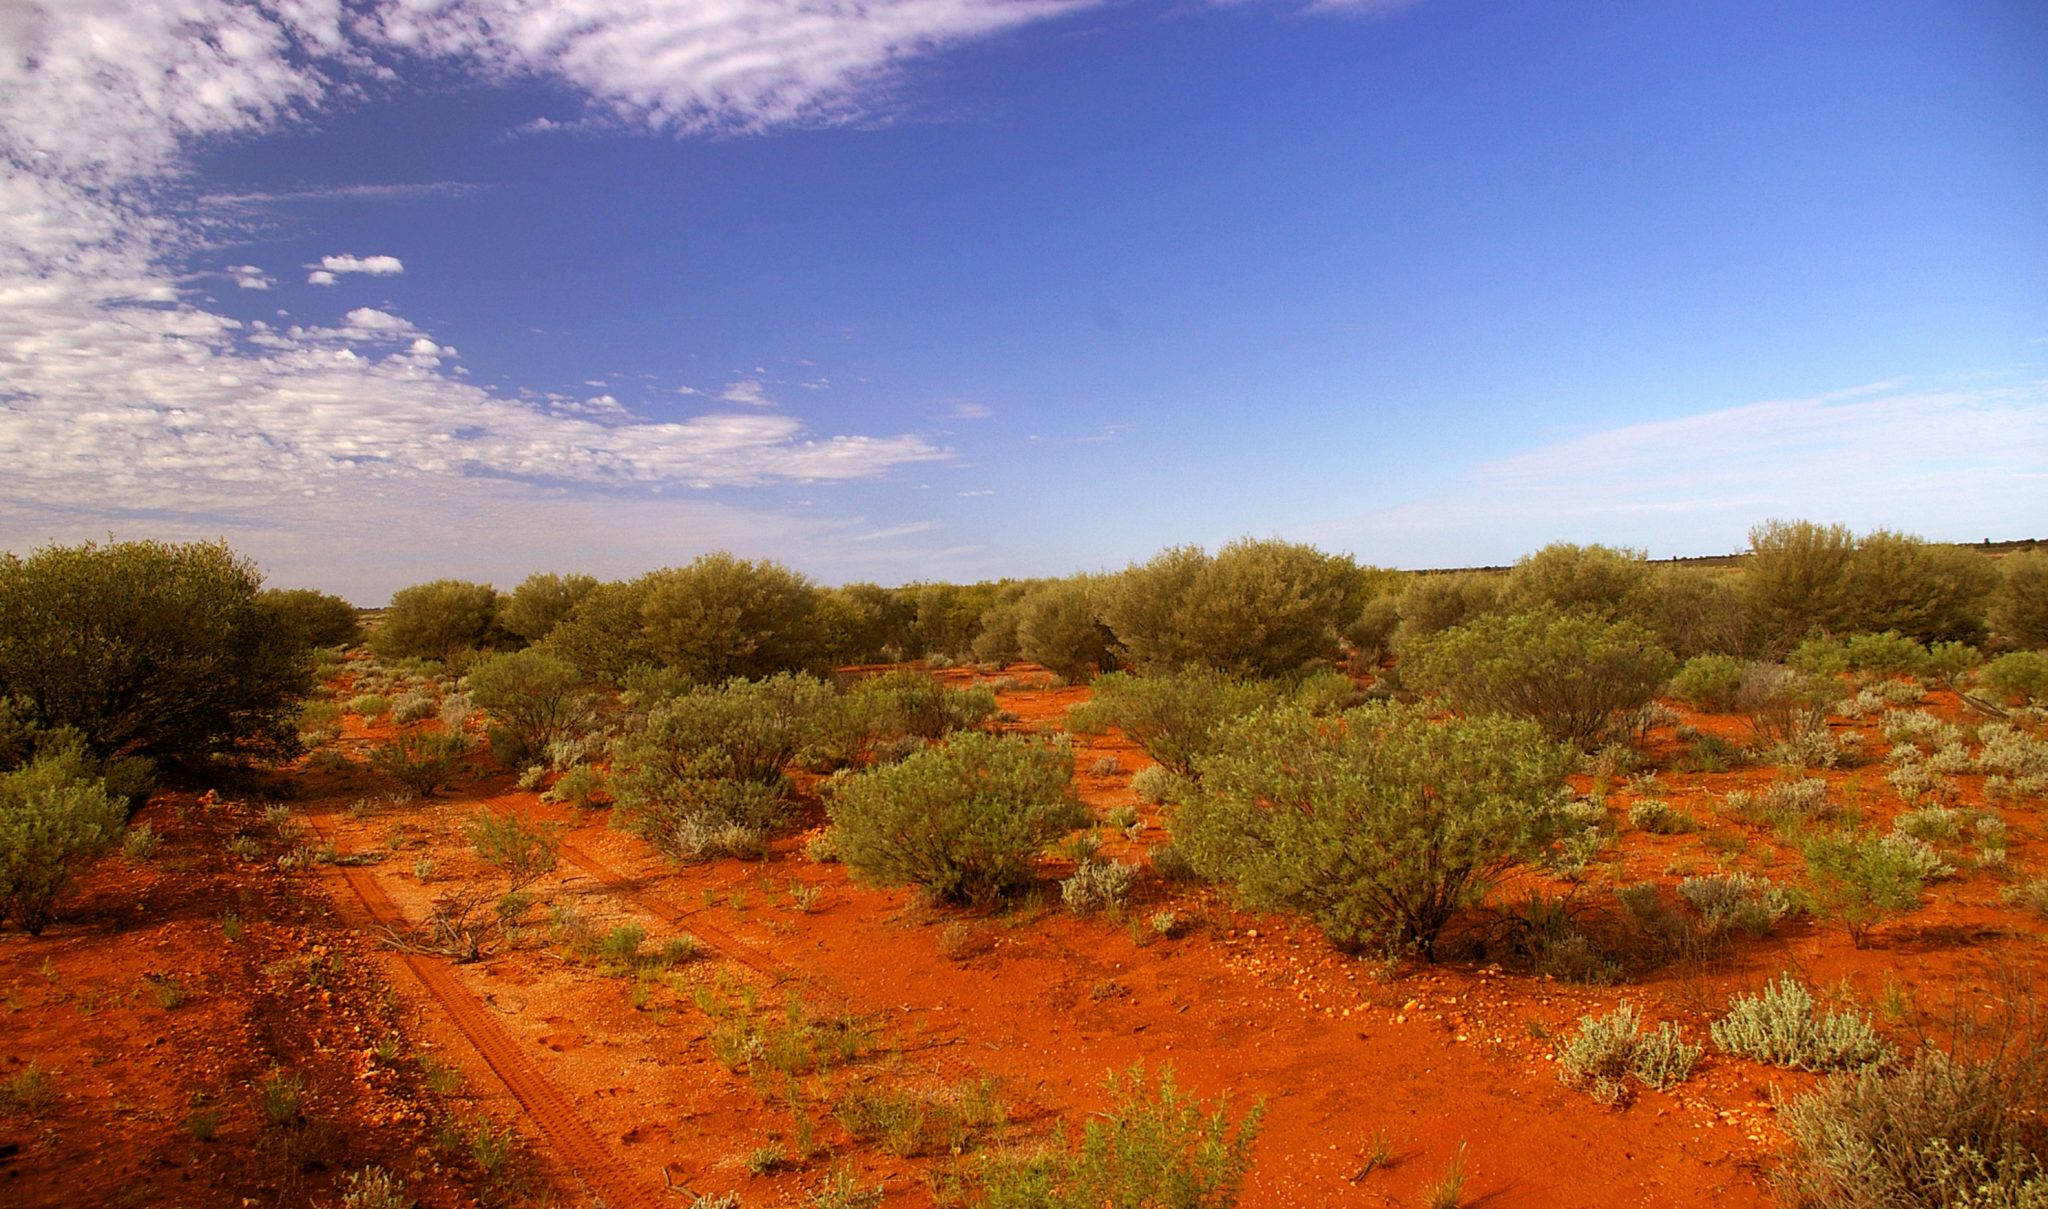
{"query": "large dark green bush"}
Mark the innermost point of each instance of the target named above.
(1431, 603)
(1612, 584)
(1057, 627)
(723, 616)
(1795, 578)
(150, 649)
(961, 820)
(55, 817)
(2019, 603)
(604, 635)
(541, 601)
(1702, 611)
(1572, 673)
(533, 698)
(1380, 824)
(1174, 716)
(2017, 676)
(1925, 591)
(439, 620)
(1709, 682)
(1258, 608)
(313, 619)
(948, 618)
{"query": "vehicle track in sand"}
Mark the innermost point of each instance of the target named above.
(576, 1147)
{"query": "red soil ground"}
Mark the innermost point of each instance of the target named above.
(614, 1087)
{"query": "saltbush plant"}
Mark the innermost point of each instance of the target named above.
(1571, 673)
(1780, 1026)
(1736, 900)
(962, 820)
(55, 818)
(1096, 886)
(533, 699)
(1381, 824)
(1606, 1051)
(1709, 682)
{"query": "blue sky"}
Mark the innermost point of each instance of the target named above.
(387, 290)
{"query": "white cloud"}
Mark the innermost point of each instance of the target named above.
(374, 266)
(748, 391)
(964, 409)
(320, 277)
(1957, 464)
(249, 277)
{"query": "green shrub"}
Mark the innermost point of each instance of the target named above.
(312, 619)
(1097, 886)
(1257, 608)
(541, 601)
(604, 635)
(1174, 716)
(1380, 824)
(962, 820)
(1736, 900)
(1709, 682)
(421, 761)
(1158, 785)
(1782, 704)
(879, 711)
(533, 697)
(2019, 604)
(1862, 879)
(1608, 1050)
(149, 649)
(1429, 604)
(745, 730)
(438, 620)
(1925, 591)
(1796, 579)
(55, 818)
(1780, 1027)
(1700, 611)
(1936, 1132)
(1660, 818)
(2020, 676)
(1057, 627)
(1155, 1146)
(523, 851)
(1572, 674)
(1887, 654)
(1609, 583)
(722, 617)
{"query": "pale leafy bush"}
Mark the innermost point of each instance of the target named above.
(1381, 824)
(1931, 823)
(1608, 1050)
(1736, 900)
(412, 706)
(1709, 681)
(55, 818)
(1654, 815)
(1155, 784)
(1861, 879)
(533, 698)
(2008, 749)
(1780, 1026)
(1098, 886)
(1173, 716)
(962, 820)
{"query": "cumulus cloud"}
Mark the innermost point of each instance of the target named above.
(139, 402)
(374, 266)
(249, 277)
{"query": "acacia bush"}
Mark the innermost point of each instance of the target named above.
(962, 820)
(533, 698)
(1709, 682)
(2017, 676)
(149, 649)
(55, 818)
(1257, 608)
(421, 761)
(722, 617)
(1609, 583)
(1862, 879)
(440, 620)
(1802, 578)
(313, 619)
(895, 711)
(2019, 601)
(1174, 716)
(1057, 627)
(1571, 673)
(1431, 603)
(1380, 824)
(541, 601)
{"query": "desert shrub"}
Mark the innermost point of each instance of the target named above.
(1709, 682)
(1432, 603)
(700, 818)
(997, 642)
(1887, 654)
(582, 786)
(149, 649)
(308, 618)
(1947, 661)
(1057, 627)
(1157, 785)
(1608, 1050)
(438, 620)
(1327, 692)
(413, 706)
(723, 617)
(2019, 603)
(1371, 634)
(1660, 818)
(1380, 824)
(1572, 674)
(533, 698)
(908, 704)
(1699, 611)
(1155, 1146)
(1736, 900)
(1795, 578)
(1174, 716)
(1257, 608)
(368, 706)
(859, 622)
(2008, 749)
(1861, 879)
(962, 820)
(2017, 676)
(421, 761)
(1936, 1131)
(540, 603)
(1924, 591)
(746, 730)
(1609, 583)
(1782, 703)
(55, 818)
(946, 618)
(604, 634)
(1780, 1026)
(523, 851)
(1098, 886)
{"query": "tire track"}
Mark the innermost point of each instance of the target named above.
(576, 1146)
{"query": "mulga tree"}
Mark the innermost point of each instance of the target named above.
(1259, 608)
(541, 601)
(440, 620)
(723, 616)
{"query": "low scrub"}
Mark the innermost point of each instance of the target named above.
(1862, 879)
(1780, 1026)
(962, 821)
(421, 761)
(1606, 1051)
(1174, 716)
(54, 819)
(1380, 824)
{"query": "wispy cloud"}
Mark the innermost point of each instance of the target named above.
(748, 392)
(1950, 463)
(249, 277)
(373, 266)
